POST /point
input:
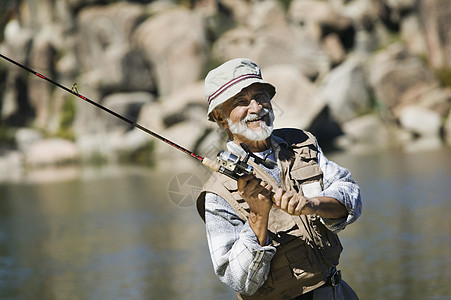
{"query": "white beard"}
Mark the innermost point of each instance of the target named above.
(254, 135)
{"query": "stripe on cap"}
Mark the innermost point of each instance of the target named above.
(230, 83)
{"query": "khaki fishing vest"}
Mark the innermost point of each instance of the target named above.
(306, 249)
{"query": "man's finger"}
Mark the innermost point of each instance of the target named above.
(254, 185)
(298, 209)
(243, 180)
(301, 205)
(284, 200)
(277, 196)
(292, 204)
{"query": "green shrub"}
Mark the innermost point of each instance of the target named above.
(67, 118)
(444, 75)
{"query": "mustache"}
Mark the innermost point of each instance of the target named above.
(254, 116)
(264, 132)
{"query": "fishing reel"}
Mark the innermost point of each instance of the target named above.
(231, 165)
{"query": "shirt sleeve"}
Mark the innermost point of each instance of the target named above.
(339, 184)
(238, 259)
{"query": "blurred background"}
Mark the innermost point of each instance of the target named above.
(92, 208)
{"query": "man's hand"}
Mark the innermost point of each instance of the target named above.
(256, 193)
(295, 204)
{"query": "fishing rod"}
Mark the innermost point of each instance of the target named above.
(226, 163)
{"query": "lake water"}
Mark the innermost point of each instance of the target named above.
(133, 233)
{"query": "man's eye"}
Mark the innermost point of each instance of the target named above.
(241, 102)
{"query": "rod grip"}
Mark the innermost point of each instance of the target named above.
(211, 164)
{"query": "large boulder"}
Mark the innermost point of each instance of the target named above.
(239, 10)
(17, 40)
(397, 76)
(410, 29)
(345, 91)
(177, 55)
(108, 64)
(270, 39)
(51, 152)
(187, 134)
(237, 42)
(125, 104)
(309, 56)
(42, 54)
(365, 133)
(187, 103)
(436, 99)
(124, 70)
(101, 29)
(296, 102)
(435, 16)
(274, 39)
(334, 49)
(105, 51)
(265, 36)
(26, 137)
(150, 116)
(319, 17)
(420, 121)
(15, 106)
(88, 118)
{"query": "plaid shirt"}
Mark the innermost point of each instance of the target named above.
(238, 259)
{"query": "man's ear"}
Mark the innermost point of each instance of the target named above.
(220, 118)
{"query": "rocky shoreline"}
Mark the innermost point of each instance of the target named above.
(361, 75)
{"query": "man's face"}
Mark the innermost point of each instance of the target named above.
(250, 113)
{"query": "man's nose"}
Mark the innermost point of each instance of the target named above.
(255, 106)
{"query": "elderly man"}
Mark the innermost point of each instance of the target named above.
(272, 234)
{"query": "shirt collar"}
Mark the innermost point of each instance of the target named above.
(236, 149)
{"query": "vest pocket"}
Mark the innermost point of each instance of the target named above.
(306, 173)
(295, 268)
(297, 260)
(328, 242)
(314, 270)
